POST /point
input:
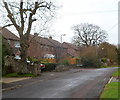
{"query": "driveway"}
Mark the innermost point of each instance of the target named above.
(76, 83)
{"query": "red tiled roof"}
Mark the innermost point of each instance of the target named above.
(73, 50)
(71, 45)
(40, 40)
(55, 43)
(46, 41)
(8, 35)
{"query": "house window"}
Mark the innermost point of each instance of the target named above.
(47, 48)
(41, 46)
(17, 44)
(52, 49)
(8, 41)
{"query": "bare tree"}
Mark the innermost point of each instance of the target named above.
(23, 15)
(88, 35)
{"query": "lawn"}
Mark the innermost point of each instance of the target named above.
(19, 75)
(117, 73)
(111, 90)
(109, 66)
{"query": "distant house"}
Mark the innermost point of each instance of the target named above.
(40, 47)
(12, 40)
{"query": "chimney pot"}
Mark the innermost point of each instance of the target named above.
(50, 37)
(36, 34)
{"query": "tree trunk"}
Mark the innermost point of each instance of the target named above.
(23, 68)
(23, 50)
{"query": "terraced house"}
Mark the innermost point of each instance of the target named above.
(12, 40)
(40, 47)
(43, 48)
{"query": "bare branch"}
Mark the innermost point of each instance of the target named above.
(10, 15)
(21, 16)
(7, 25)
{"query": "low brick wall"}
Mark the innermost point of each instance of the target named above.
(61, 68)
(16, 66)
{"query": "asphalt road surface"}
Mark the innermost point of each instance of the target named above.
(85, 83)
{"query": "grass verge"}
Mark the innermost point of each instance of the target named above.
(19, 75)
(109, 66)
(117, 73)
(111, 91)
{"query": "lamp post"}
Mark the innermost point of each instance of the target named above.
(61, 37)
(103, 52)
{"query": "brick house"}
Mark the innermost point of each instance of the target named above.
(39, 47)
(12, 40)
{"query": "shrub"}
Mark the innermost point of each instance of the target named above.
(44, 61)
(104, 60)
(88, 61)
(66, 62)
(118, 55)
(36, 61)
(5, 49)
(49, 67)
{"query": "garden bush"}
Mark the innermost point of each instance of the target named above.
(104, 60)
(36, 61)
(49, 67)
(88, 61)
(5, 50)
(66, 62)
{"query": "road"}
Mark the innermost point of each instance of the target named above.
(85, 83)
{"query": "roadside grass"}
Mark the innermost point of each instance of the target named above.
(111, 90)
(116, 74)
(109, 66)
(19, 75)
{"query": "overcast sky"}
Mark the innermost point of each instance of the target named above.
(103, 13)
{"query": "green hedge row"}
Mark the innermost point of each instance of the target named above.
(90, 62)
(49, 67)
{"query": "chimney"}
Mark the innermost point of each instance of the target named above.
(35, 34)
(50, 37)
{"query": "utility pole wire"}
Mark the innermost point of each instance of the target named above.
(90, 12)
(112, 27)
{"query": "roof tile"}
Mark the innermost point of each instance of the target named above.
(8, 35)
